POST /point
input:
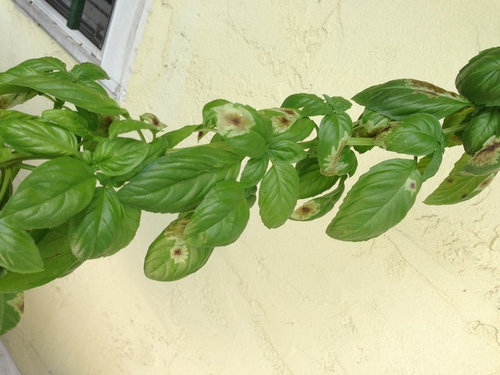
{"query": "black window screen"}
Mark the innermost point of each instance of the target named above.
(95, 19)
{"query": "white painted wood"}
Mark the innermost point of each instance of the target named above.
(7, 365)
(118, 52)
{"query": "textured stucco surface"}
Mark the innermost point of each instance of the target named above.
(424, 298)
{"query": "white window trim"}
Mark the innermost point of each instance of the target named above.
(118, 52)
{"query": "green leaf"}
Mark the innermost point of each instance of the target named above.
(319, 206)
(429, 164)
(125, 233)
(209, 116)
(179, 181)
(338, 103)
(311, 181)
(220, 218)
(170, 258)
(32, 67)
(11, 310)
(278, 194)
(253, 172)
(119, 156)
(334, 132)
(57, 258)
(37, 137)
(127, 126)
(286, 151)
(312, 105)
(481, 126)
(370, 123)
(51, 194)
(94, 230)
(479, 80)
(486, 160)
(402, 97)
(380, 199)
(454, 138)
(69, 120)
(418, 134)
(458, 187)
(177, 136)
(88, 72)
(19, 97)
(18, 251)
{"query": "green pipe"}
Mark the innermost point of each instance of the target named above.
(75, 14)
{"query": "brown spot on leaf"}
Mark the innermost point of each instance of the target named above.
(483, 185)
(289, 111)
(428, 88)
(450, 180)
(305, 211)
(488, 154)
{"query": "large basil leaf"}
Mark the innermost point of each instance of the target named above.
(51, 194)
(286, 151)
(379, 200)
(334, 132)
(220, 218)
(179, 181)
(319, 206)
(170, 258)
(482, 125)
(479, 80)
(58, 261)
(37, 137)
(125, 233)
(486, 160)
(311, 181)
(418, 134)
(32, 67)
(11, 310)
(18, 251)
(458, 187)
(278, 194)
(402, 97)
(69, 120)
(92, 231)
(119, 156)
(254, 170)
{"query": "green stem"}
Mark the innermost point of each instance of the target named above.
(455, 128)
(29, 167)
(141, 136)
(5, 182)
(360, 141)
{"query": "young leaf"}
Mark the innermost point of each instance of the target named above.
(57, 258)
(312, 105)
(88, 72)
(170, 258)
(458, 187)
(482, 125)
(177, 136)
(253, 172)
(479, 80)
(311, 181)
(418, 134)
(319, 206)
(69, 120)
(119, 156)
(11, 310)
(18, 251)
(380, 199)
(37, 137)
(278, 194)
(51, 194)
(287, 151)
(92, 231)
(179, 181)
(220, 218)
(334, 132)
(402, 97)
(127, 126)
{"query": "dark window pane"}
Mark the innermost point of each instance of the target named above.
(95, 19)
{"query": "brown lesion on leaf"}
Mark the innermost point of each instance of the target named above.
(17, 303)
(488, 154)
(429, 89)
(233, 120)
(290, 112)
(281, 122)
(305, 211)
(483, 185)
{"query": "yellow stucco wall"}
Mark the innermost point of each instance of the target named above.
(424, 298)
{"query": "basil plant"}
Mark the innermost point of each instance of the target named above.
(87, 169)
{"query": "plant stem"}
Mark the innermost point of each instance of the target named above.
(454, 129)
(5, 182)
(29, 167)
(141, 136)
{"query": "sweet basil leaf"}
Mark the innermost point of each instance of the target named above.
(33, 67)
(370, 123)
(127, 126)
(125, 233)
(220, 218)
(479, 80)
(286, 151)
(380, 199)
(18, 251)
(57, 258)
(119, 156)
(452, 121)
(429, 164)
(177, 136)
(418, 134)
(37, 137)
(179, 181)
(334, 132)
(69, 120)
(402, 97)
(93, 230)
(254, 170)
(88, 72)
(458, 187)
(486, 160)
(51, 194)
(338, 103)
(481, 126)
(312, 105)
(278, 194)
(311, 181)
(21, 96)
(319, 206)
(209, 116)
(11, 310)
(170, 258)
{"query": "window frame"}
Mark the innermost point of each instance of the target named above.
(120, 45)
